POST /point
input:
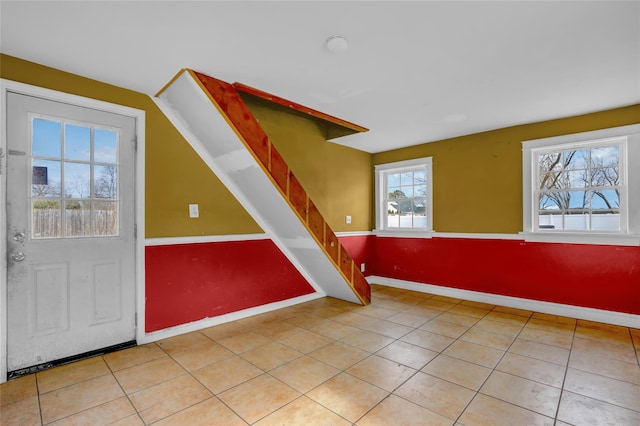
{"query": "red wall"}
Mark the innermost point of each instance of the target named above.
(189, 282)
(361, 248)
(594, 276)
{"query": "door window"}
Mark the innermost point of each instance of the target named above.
(74, 180)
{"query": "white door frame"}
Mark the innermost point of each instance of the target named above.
(139, 116)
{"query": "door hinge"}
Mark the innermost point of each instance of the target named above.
(135, 319)
(135, 230)
(135, 144)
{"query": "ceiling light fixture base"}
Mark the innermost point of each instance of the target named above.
(336, 44)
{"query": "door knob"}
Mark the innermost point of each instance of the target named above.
(18, 257)
(19, 237)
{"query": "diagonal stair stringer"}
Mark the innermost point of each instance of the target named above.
(219, 126)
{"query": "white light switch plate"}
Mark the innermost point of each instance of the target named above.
(193, 211)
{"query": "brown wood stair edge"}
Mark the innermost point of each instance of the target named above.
(230, 104)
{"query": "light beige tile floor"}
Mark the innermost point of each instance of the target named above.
(408, 358)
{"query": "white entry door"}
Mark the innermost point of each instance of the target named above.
(70, 230)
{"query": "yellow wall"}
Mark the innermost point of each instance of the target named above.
(175, 176)
(477, 179)
(338, 179)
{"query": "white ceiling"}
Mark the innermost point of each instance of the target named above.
(413, 72)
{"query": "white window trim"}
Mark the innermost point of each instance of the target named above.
(380, 171)
(630, 234)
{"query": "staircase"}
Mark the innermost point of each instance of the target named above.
(214, 119)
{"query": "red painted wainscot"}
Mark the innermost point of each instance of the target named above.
(189, 282)
(594, 276)
(361, 248)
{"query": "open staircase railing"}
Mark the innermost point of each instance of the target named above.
(215, 120)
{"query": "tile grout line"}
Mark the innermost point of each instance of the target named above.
(58, 389)
(459, 339)
(566, 371)
(457, 419)
(420, 369)
(493, 370)
(367, 357)
(531, 316)
(615, 404)
(340, 371)
(344, 370)
(123, 390)
(148, 387)
(408, 378)
(267, 372)
(109, 373)
(389, 393)
(213, 394)
(35, 376)
(633, 345)
(406, 307)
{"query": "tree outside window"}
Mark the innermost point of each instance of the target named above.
(579, 189)
(404, 195)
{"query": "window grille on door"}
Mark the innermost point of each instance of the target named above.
(74, 180)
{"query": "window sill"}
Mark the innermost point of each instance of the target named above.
(576, 238)
(400, 233)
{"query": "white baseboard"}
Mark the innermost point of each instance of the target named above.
(598, 315)
(579, 312)
(233, 316)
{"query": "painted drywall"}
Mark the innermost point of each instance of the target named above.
(477, 188)
(174, 174)
(362, 249)
(189, 282)
(587, 275)
(338, 179)
(477, 179)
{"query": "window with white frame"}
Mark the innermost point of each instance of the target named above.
(403, 195)
(582, 183)
(578, 188)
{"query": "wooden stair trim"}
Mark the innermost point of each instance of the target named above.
(347, 127)
(227, 100)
